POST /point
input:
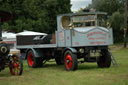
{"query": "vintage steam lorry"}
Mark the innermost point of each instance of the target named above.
(79, 35)
(9, 58)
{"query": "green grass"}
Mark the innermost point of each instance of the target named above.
(87, 73)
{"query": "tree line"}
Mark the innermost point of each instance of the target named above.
(35, 15)
(115, 10)
(40, 15)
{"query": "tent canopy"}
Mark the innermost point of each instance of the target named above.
(8, 35)
(30, 33)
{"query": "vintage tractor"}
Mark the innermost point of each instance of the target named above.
(9, 58)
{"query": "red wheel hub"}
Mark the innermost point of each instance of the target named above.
(68, 61)
(15, 66)
(30, 59)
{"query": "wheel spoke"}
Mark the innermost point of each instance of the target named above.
(15, 65)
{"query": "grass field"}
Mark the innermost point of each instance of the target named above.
(87, 73)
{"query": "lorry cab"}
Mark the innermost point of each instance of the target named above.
(83, 29)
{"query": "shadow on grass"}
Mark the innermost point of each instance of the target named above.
(55, 66)
(52, 65)
(4, 74)
(80, 66)
(87, 67)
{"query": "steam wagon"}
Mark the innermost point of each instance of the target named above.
(9, 58)
(79, 35)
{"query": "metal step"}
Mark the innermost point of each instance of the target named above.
(114, 62)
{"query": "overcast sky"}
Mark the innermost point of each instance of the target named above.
(77, 4)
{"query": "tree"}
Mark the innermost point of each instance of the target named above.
(115, 9)
(125, 23)
(35, 15)
(116, 21)
(109, 6)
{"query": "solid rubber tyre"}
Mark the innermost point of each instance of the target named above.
(104, 61)
(32, 61)
(70, 61)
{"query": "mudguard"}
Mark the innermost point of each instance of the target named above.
(73, 50)
(37, 52)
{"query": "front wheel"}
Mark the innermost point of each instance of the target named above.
(104, 61)
(33, 62)
(71, 63)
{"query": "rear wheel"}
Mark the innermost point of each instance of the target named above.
(16, 65)
(70, 61)
(104, 61)
(33, 61)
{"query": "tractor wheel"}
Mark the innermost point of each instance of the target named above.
(104, 61)
(33, 62)
(16, 65)
(70, 61)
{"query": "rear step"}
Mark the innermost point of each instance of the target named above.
(114, 62)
